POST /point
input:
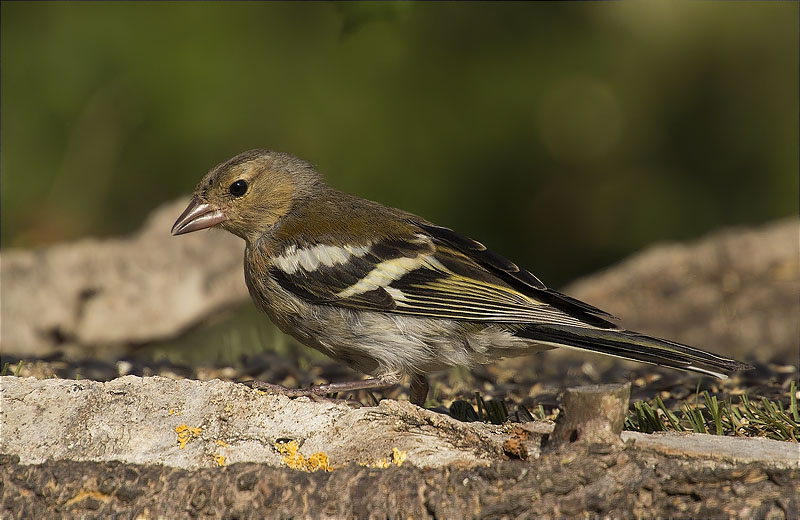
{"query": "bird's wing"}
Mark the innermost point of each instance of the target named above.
(518, 278)
(431, 272)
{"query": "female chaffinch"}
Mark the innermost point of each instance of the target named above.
(390, 293)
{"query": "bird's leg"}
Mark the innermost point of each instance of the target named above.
(330, 388)
(419, 389)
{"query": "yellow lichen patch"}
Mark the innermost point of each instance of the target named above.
(397, 459)
(318, 461)
(175, 411)
(380, 464)
(220, 459)
(185, 434)
(295, 460)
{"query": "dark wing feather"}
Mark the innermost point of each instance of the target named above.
(481, 254)
(518, 278)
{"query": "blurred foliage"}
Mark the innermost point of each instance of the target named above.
(564, 135)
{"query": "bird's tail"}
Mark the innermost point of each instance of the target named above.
(631, 345)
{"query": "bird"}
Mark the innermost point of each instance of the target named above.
(391, 294)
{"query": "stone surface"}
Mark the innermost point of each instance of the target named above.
(195, 424)
(95, 297)
(733, 292)
(138, 420)
(742, 450)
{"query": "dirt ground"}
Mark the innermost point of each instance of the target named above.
(594, 481)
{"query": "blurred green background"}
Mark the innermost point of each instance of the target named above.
(564, 135)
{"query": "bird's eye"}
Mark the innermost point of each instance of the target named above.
(238, 188)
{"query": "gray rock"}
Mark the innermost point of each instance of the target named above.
(134, 420)
(734, 292)
(739, 450)
(140, 420)
(94, 297)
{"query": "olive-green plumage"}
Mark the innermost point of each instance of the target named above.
(390, 293)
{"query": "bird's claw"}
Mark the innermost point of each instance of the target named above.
(316, 393)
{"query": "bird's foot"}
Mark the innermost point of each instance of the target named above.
(318, 392)
(313, 392)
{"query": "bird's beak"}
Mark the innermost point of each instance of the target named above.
(197, 215)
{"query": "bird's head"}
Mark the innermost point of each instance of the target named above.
(248, 194)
